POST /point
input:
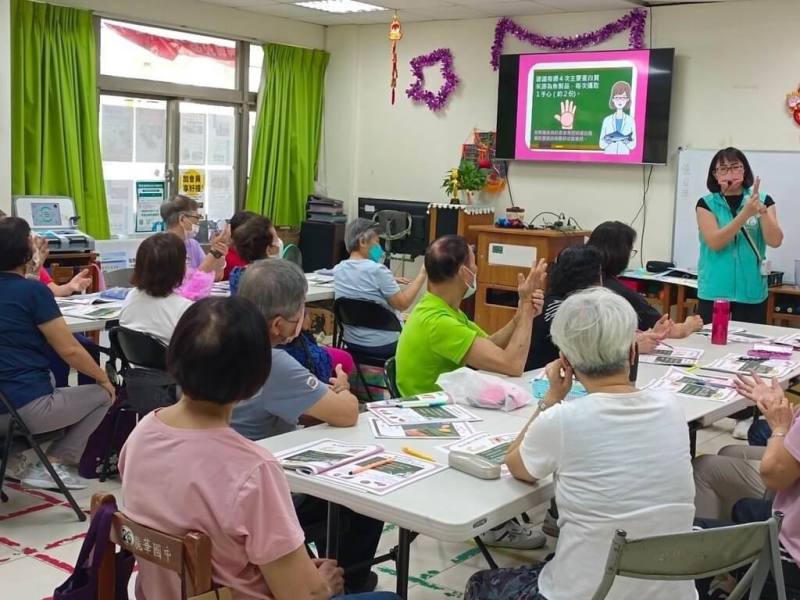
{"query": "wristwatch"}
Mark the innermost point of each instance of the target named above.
(215, 253)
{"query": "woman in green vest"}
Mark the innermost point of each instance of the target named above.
(737, 222)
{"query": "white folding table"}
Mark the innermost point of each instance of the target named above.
(453, 506)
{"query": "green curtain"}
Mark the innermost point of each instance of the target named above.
(287, 133)
(55, 141)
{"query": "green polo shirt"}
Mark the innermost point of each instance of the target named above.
(435, 340)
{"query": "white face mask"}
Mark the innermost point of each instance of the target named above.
(192, 233)
(470, 291)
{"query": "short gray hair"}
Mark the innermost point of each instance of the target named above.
(276, 286)
(358, 230)
(595, 329)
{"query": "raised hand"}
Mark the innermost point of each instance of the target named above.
(340, 382)
(80, 282)
(567, 116)
(753, 205)
(534, 281)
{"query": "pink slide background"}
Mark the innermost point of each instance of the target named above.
(640, 58)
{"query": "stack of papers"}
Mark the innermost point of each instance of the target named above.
(103, 313)
(351, 465)
(456, 430)
(390, 413)
(773, 367)
(689, 385)
(221, 288)
(793, 340)
(679, 357)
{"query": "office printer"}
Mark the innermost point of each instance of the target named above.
(53, 218)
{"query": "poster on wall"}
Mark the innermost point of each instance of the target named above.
(151, 129)
(150, 195)
(220, 194)
(117, 133)
(193, 138)
(193, 183)
(119, 199)
(220, 139)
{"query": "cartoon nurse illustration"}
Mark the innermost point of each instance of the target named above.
(618, 133)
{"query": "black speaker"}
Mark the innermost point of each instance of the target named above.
(659, 266)
(322, 245)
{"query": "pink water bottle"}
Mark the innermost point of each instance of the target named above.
(719, 322)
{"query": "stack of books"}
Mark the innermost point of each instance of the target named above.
(326, 210)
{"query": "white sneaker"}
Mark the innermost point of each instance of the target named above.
(741, 429)
(18, 464)
(38, 477)
(514, 535)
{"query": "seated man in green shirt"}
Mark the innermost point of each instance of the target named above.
(438, 337)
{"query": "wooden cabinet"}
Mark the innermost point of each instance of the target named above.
(501, 255)
(459, 219)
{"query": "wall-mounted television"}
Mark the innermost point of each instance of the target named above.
(602, 107)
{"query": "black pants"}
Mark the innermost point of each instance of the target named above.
(357, 544)
(747, 313)
(751, 510)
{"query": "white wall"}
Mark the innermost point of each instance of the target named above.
(734, 64)
(5, 106)
(207, 18)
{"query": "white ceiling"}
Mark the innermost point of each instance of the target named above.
(435, 10)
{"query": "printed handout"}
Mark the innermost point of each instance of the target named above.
(690, 385)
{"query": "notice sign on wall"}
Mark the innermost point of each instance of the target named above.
(193, 182)
(150, 195)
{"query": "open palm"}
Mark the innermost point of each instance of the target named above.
(567, 116)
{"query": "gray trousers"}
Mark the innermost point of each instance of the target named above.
(722, 479)
(78, 409)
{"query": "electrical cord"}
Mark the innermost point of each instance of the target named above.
(560, 217)
(646, 177)
(508, 182)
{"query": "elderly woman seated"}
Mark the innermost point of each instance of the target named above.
(620, 456)
(30, 325)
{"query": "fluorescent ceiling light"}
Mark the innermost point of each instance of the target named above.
(340, 6)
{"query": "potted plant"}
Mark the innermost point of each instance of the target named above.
(467, 178)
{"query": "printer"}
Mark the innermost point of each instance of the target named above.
(53, 218)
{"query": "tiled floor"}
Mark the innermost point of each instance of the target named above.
(40, 539)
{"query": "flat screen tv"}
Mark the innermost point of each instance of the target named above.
(602, 107)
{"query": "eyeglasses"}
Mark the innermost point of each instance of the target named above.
(621, 98)
(193, 216)
(725, 169)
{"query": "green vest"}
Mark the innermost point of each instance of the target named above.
(732, 273)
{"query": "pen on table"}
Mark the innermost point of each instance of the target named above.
(375, 465)
(667, 345)
(418, 403)
(418, 454)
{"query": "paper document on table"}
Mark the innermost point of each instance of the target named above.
(492, 447)
(663, 355)
(455, 430)
(793, 339)
(398, 415)
(690, 385)
(773, 367)
(322, 455)
(739, 335)
(84, 299)
(221, 288)
(107, 313)
(392, 471)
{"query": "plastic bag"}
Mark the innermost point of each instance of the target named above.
(196, 285)
(483, 390)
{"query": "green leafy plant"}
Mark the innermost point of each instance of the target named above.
(470, 178)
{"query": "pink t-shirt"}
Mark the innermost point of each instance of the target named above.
(217, 482)
(788, 501)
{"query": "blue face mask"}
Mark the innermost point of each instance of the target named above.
(376, 253)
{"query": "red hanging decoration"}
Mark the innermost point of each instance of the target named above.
(395, 35)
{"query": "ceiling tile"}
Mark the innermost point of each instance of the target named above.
(587, 5)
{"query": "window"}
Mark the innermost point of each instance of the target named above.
(256, 62)
(174, 118)
(140, 52)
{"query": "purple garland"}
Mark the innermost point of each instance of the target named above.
(635, 20)
(417, 92)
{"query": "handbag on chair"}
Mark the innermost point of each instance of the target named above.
(83, 583)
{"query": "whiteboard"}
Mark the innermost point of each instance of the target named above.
(780, 178)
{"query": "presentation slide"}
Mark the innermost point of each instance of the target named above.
(585, 106)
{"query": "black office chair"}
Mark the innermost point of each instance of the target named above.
(147, 385)
(390, 376)
(18, 429)
(348, 312)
